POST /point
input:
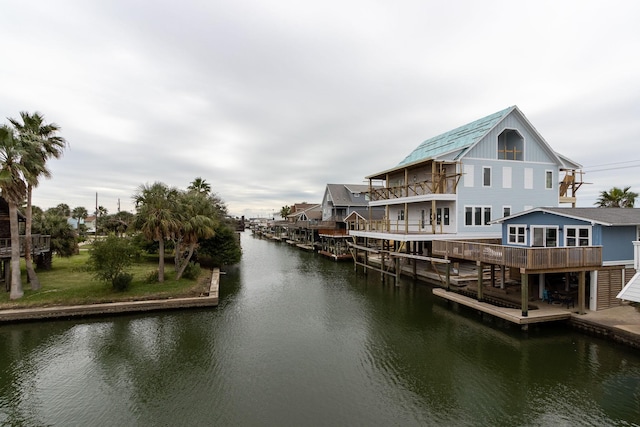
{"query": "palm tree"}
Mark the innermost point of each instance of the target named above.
(285, 211)
(200, 185)
(41, 142)
(156, 216)
(79, 213)
(617, 198)
(196, 215)
(14, 191)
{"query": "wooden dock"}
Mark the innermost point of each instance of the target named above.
(544, 313)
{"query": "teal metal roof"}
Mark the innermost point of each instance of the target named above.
(457, 139)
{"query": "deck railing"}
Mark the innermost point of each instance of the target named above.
(39, 243)
(528, 258)
(414, 189)
(402, 226)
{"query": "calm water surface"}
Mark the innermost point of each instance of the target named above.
(302, 341)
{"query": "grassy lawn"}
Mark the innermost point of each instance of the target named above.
(67, 283)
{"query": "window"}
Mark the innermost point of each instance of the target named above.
(546, 237)
(442, 216)
(423, 221)
(517, 234)
(486, 176)
(468, 176)
(401, 215)
(577, 236)
(477, 215)
(510, 145)
(548, 181)
(528, 178)
(506, 211)
(506, 177)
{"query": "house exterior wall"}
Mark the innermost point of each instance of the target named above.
(535, 150)
(617, 243)
(506, 189)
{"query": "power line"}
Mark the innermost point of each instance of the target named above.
(611, 169)
(610, 164)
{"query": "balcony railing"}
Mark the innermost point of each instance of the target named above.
(39, 243)
(422, 188)
(527, 258)
(401, 226)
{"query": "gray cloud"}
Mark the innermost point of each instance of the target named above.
(270, 101)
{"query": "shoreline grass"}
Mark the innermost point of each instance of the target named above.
(69, 283)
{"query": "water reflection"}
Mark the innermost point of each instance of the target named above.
(300, 340)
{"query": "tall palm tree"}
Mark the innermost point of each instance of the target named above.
(14, 191)
(200, 185)
(41, 142)
(196, 215)
(155, 216)
(617, 198)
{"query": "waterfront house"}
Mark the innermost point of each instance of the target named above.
(452, 186)
(339, 202)
(611, 230)
(585, 255)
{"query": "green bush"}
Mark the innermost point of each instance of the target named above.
(192, 271)
(122, 281)
(109, 258)
(152, 277)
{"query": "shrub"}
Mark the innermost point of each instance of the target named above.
(192, 271)
(122, 281)
(109, 258)
(152, 277)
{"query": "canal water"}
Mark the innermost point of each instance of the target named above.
(299, 340)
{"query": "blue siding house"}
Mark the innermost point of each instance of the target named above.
(613, 229)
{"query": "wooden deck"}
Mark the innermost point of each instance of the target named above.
(578, 258)
(544, 313)
(39, 244)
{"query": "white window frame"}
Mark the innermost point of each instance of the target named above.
(504, 209)
(544, 235)
(516, 232)
(487, 174)
(548, 183)
(484, 209)
(577, 237)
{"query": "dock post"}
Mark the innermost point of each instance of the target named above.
(581, 292)
(525, 295)
(448, 276)
(480, 280)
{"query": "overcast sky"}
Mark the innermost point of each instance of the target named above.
(269, 101)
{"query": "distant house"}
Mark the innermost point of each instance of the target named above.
(601, 241)
(455, 184)
(90, 223)
(340, 200)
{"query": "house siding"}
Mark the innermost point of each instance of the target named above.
(535, 150)
(496, 195)
(617, 243)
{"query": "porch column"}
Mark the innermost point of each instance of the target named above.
(525, 294)
(503, 276)
(480, 293)
(581, 292)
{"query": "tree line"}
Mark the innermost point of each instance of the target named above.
(187, 220)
